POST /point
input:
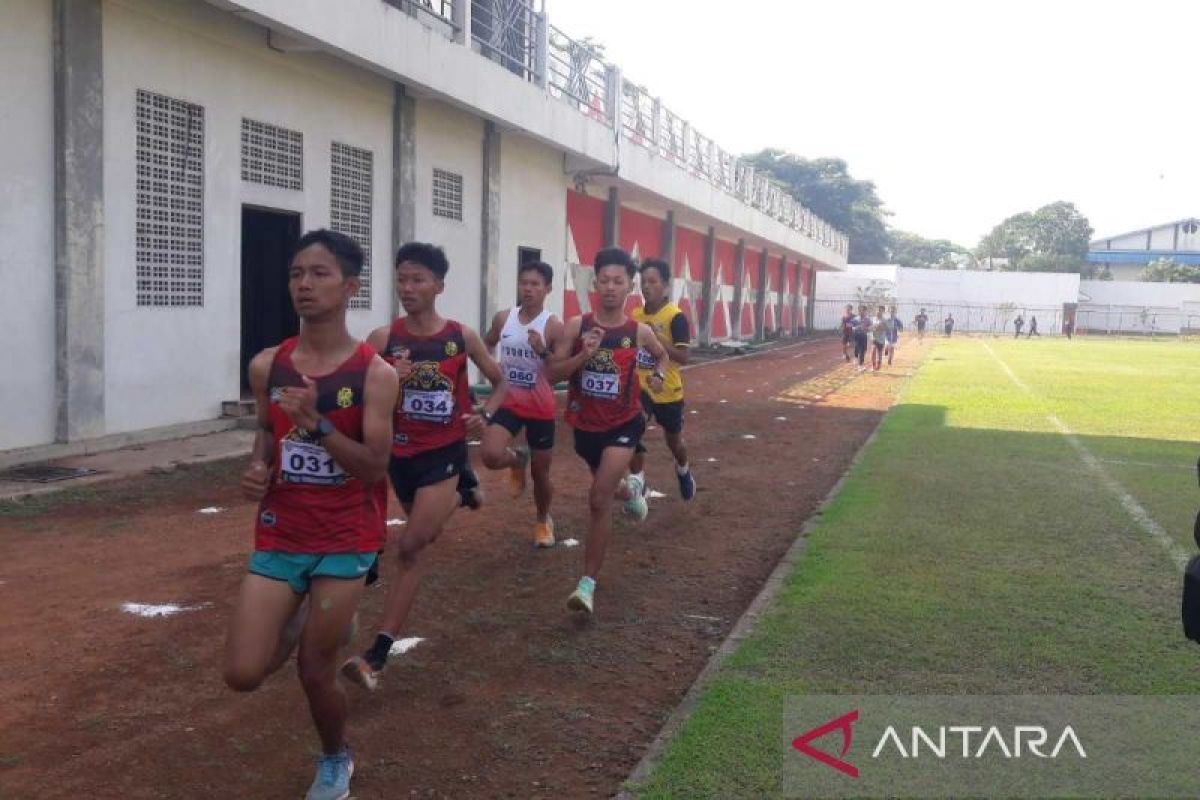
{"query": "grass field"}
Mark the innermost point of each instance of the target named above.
(973, 551)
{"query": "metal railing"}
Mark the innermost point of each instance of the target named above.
(577, 73)
(521, 39)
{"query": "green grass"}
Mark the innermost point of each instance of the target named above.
(972, 552)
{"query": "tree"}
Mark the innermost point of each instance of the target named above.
(825, 186)
(1166, 270)
(1052, 239)
(910, 250)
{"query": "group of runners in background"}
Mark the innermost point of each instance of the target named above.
(339, 419)
(877, 333)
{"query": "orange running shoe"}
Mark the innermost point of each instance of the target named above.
(543, 533)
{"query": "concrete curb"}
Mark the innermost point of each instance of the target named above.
(654, 753)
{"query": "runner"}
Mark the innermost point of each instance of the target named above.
(847, 331)
(1033, 331)
(324, 403)
(1018, 324)
(669, 324)
(894, 326)
(879, 334)
(922, 320)
(599, 353)
(862, 336)
(949, 324)
(432, 420)
(526, 336)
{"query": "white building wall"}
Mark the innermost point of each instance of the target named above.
(533, 204)
(1138, 307)
(171, 365)
(452, 140)
(1162, 238)
(27, 221)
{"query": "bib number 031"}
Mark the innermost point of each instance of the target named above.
(305, 462)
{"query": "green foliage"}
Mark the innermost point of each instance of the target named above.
(910, 250)
(1053, 238)
(1166, 270)
(826, 187)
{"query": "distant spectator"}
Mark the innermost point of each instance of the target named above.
(1033, 331)
(1018, 323)
(922, 320)
(949, 324)
(1069, 327)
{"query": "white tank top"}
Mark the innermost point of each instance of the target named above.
(530, 393)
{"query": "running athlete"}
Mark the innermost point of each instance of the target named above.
(525, 337)
(894, 326)
(922, 320)
(862, 335)
(848, 320)
(433, 417)
(599, 353)
(668, 323)
(324, 403)
(879, 333)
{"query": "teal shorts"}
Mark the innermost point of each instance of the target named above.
(299, 569)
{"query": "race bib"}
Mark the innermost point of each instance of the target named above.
(645, 360)
(519, 376)
(604, 385)
(309, 463)
(429, 405)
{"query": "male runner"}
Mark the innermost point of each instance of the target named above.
(862, 335)
(847, 331)
(526, 336)
(432, 419)
(949, 324)
(894, 326)
(922, 320)
(1033, 331)
(1018, 324)
(324, 402)
(670, 326)
(879, 334)
(599, 353)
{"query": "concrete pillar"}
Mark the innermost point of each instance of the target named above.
(796, 295)
(739, 280)
(668, 241)
(811, 287)
(489, 261)
(706, 290)
(541, 48)
(612, 218)
(460, 15)
(78, 219)
(404, 178)
(781, 300)
(760, 305)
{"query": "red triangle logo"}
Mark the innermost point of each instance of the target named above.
(845, 724)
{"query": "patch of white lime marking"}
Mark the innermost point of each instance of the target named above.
(749, 436)
(1132, 507)
(392, 523)
(569, 543)
(702, 616)
(693, 411)
(402, 646)
(781, 419)
(749, 391)
(724, 401)
(654, 494)
(211, 510)
(710, 459)
(159, 610)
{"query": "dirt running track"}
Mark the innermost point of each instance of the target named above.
(508, 697)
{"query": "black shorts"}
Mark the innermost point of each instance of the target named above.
(846, 337)
(539, 433)
(426, 469)
(590, 445)
(669, 415)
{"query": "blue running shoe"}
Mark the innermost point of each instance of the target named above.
(687, 484)
(582, 598)
(333, 777)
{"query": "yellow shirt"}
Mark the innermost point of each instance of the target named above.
(668, 330)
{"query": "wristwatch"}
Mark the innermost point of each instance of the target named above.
(323, 429)
(487, 415)
(659, 375)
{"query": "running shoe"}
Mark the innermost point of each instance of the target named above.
(543, 533)
(358, 670)
(581, 598)
(687, 484)
(333, 777)
(636, 505)
(470, 493)
(517, 472)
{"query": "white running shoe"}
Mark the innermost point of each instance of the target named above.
(636, 506)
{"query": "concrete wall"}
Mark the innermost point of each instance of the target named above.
(27, 223)
(532, 212)
(173, 365)
(452, 140)
(1138, 307)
